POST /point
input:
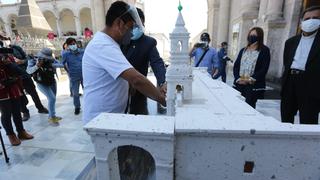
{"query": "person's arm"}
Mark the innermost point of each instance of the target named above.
(33, 66)
(57, 64)
(215, 64)
(143, 85)
(157, 65)
(64, 62)
(192, 51)
(236, 67)
(264, 63)
(159, 69)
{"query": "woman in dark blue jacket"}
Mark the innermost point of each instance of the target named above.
(251, 67)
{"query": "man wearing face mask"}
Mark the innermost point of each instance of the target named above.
(301, 77)
(72, 60)
(106, 71)
(205, 56)
(141, 52)
(223, 59)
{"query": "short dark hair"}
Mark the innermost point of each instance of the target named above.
(260, 36)
(205, 36)
(141, 15)
(70, 40)
(64, 45)
(224, 44)
(312, 8)
(116, 10)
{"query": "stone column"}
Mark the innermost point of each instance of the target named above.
(97, 14)
(8, 29)
(263, 10)
(274, 10)
(224, 13)
(58, 27)
(213, 20)
(249, 13)
(78, 25)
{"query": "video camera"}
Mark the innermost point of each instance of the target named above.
(5, 52)
(202, 44)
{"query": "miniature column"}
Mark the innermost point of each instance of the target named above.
(78, 25)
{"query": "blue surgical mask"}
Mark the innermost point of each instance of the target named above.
(73, 47)
(136, 33)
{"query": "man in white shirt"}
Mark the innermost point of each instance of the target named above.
(301, 77)
(106, 72)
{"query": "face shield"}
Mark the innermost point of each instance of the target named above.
(132, 11)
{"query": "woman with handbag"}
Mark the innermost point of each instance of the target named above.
(251, 67)
(43, 70)
(10, 98)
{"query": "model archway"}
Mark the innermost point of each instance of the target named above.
(68, 26)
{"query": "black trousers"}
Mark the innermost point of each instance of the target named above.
(250, 94)
(30, 88)
(10, 108)
(138, 104)
(295, 98)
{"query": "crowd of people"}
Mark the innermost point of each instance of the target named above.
(112, 70)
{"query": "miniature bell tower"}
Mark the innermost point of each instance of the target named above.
(179, 74)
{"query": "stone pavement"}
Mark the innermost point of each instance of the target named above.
(63, 152)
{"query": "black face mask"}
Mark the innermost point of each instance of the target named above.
(252, 39)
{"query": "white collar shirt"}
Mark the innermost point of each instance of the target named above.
(302, 52)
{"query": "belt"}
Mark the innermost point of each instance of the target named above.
(296, 71)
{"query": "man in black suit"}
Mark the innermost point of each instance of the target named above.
(141, 52)
(301, 77)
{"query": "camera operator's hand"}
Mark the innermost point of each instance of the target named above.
(19, 61)
(40, 63)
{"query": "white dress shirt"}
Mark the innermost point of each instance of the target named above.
(302, 52)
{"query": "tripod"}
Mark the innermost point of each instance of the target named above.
(4, 148)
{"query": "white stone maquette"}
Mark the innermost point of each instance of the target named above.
(210, 133)
(214, 135)
(179, 74)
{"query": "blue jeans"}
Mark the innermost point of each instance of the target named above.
(75, 84)
(50, 92)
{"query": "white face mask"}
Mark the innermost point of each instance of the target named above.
(73, 47)
(310, 25)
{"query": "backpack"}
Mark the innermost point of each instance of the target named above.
(45, 74)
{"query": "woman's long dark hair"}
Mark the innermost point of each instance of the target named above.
(260, 35)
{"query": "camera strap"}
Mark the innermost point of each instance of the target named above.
(202, 56)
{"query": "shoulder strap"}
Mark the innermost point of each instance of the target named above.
(204, 53)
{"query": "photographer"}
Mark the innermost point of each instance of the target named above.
(205, 56)
(43, 70)
(28, 85)
(10, 97)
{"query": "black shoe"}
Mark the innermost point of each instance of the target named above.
(43, 111)
(77, 111)
(25, 116)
